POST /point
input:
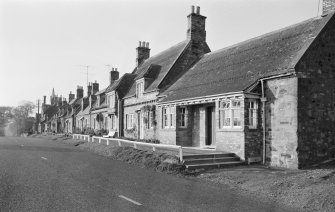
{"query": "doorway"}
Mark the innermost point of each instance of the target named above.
(210, 123)
(140, 125)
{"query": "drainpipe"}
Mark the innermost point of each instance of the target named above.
(263, 100)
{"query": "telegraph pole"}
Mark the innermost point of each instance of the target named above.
(87, 74)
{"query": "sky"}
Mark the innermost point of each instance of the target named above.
(46, 44)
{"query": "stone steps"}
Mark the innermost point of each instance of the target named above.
(209, 161)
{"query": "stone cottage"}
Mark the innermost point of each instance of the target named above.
(271, 97)
(155, 74)
(73, 109)
(114, 94)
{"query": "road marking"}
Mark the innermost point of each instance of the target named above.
(130, 200)
(44, 158)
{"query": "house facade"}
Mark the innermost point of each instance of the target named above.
(270, 97)
(114, 94)
(73, 109)
(155, 74)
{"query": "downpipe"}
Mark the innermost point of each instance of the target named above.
(263, 100)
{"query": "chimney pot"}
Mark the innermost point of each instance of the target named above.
(139, 45)
(192, 9)
(196, 26)
(198, 10)
(143, 53)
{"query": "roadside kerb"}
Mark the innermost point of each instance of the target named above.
(135, 144)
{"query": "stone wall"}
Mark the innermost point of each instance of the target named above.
(253, 136)
(165, 135)
(196, 126)
(230, 139)
(316, 112)
(281, 122)
(328, 6)
(184, 134)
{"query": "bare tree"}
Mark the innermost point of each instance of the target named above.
(21, 116)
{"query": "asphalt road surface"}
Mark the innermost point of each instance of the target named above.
(41, 175)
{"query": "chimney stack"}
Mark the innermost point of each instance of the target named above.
(328, 6)
(143, 52)
(95, 87)
(113, 76)
(196, 26)
(80, 92)
(89, 89)
(64, 101)
(71, 96)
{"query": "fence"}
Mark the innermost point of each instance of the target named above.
(134, 144)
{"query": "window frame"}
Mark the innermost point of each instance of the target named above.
(230, 109)
(253, 114)
(182, 117)
(129, 121)
(165, 117)
(140, 88)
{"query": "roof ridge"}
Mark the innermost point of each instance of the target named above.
(165, 50)
(269, 33)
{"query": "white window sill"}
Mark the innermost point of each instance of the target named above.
(231, 129)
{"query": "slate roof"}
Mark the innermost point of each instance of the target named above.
(100, 92)
(165, 60)
(237, 67)
(122, 85)
(84, 112)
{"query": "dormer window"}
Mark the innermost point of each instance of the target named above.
(139, 88)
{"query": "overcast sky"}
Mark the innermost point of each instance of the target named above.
(45, 44)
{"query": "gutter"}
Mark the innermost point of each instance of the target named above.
(263, 100)
(197, 98)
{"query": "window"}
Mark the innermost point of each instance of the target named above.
(224, 114)
(111, 101)
(182, 117)
(150, 118)
(236, 111)
(172, 109)
(168, 117)
(165, 117)
(253, 114)
(139, 89)
(129, 121)
(229, 114)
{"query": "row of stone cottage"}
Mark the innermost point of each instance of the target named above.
(271, 97)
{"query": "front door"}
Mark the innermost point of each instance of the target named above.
(210, 132)
(140, 125)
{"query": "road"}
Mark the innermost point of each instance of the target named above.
(42, 175)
